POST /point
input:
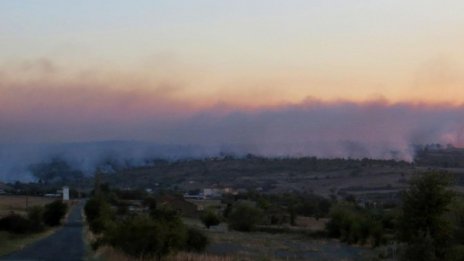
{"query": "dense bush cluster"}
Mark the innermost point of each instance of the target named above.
(54, 212)
(244, 217)
(154, 233)
(429, 224)
(210, 218)
(283, 208)
(247, 212)
(37, 218)
(99, 214)
(17, 224)
(356, 225)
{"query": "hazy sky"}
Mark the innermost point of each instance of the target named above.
(86, 70)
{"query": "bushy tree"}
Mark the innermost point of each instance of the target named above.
(139, 236)
(355, 225)
(244, 217)
(423, 225)
(143, 236)
(98, 213)
(196, 240)
(209, 218)
(54, 212)
(456, 217)
(35, 215)
(15, 223)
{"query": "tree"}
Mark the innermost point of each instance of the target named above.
(15, 223)
(196, 241)
(244, 217)
(423, 225)
(142, 236)
(355, 225)
(209, 218)
(54, 212)
(138, 236)
(98, 213)
(35, 215)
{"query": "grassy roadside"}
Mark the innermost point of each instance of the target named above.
(10, 243)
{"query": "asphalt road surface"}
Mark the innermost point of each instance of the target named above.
(65, 244)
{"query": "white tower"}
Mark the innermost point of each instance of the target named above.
(65, 193)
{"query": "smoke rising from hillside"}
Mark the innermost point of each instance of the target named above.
(47, 113)
(341, 129)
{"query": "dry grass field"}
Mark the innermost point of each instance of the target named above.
(108, 253)
(18, 204)
(281, 246)
(11, 242)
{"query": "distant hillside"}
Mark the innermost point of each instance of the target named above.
(4, 187)
(259, 173)
(440, 156)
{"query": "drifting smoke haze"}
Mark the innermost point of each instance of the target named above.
(343, 129)
(47, 114)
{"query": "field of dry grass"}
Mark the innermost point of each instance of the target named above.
(11, 242)
(281, 246)
(17, 204)
(292, 245)
(108, 253)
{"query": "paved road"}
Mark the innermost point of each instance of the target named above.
(65, 244)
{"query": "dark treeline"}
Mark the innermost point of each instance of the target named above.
(60, 171)
(440, 156)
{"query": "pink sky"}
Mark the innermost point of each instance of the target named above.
(153, 70)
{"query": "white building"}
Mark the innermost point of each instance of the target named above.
(65, 193)
(212, 193)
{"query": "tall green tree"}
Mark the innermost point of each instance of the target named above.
(423, 225)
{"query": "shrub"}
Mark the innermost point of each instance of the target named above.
(209, 218)
(244, 217)
(35, 215)
(54, 212)
(142, 236)
(92, 209)
(99, 214)
(15, 223)
(196, 241)
(354, 225)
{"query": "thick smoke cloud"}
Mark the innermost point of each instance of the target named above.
(44, 116)
(344, 129)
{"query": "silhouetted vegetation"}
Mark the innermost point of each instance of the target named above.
(356, 225)
(244, 217)
(209, 218)
(152, 232)
(142, 236)
(99, 214)
(196, 240)
(290, 204)
(35, 215)
(17, 224)
(423, 224)
(54, 213)
(37, 218)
